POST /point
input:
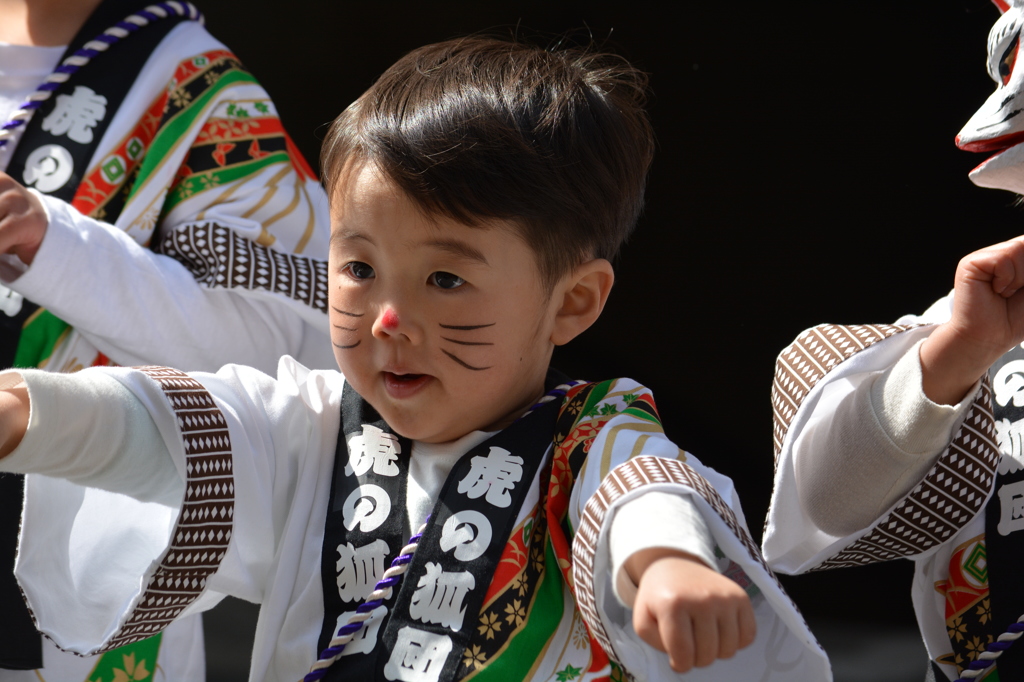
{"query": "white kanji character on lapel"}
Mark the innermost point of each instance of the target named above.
(373, 448)
(439, 595)
(75, 115)
(468, 532)
(368, 507)
(359, 569)
(418, 656)
(495, 475)
(1011, 502)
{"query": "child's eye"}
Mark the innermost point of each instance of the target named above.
(358, 270)
(446, 280)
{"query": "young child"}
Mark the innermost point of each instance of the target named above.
(479, 191)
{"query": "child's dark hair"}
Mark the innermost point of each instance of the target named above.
(556, 141)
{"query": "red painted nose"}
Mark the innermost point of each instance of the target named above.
(390, 319)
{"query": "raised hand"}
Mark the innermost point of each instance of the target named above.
(22, 220)
(686, 609)
(987, 321)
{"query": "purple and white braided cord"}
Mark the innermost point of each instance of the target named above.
(399, 565)
(381, 592)
(96, 46)
(557, 392)
(986, 658)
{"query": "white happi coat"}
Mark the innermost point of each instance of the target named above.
(254, 458)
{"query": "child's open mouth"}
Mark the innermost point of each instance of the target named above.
(404, 385)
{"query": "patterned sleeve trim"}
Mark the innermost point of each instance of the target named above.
(807, 360)
(632, 475)
(220, 258)
(203, 530)
(951, 493)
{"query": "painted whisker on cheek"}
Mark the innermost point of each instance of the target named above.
(468, 343)
(463, 363)
(465, 327)
(347, 329)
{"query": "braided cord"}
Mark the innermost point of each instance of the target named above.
(557, 392)
(382, 591)
(985, 659)
(81, 57)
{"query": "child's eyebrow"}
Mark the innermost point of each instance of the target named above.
(342, 235)
(458, 248)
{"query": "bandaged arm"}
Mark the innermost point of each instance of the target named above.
(855, 461)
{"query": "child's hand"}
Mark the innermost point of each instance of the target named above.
(22, 220)
(686, 609)
(987, 321)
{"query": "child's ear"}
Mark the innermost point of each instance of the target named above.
(583, 294)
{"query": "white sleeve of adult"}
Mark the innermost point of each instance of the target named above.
(856, 461)
(89, 429)
(661, 520)
(140, 307)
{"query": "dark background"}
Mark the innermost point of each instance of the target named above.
(805, 173)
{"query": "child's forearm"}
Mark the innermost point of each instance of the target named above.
(89, 429)
(680, 527)
(638, 563)
(876, 436)
(14, 412)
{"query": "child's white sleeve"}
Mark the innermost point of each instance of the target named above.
(654, 520)
(631, 459)
(856, 460)
(89, 429)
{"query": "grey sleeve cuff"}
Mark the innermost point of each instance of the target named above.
(656, 519)
(912, 422)
(89, 429)
(877, 443)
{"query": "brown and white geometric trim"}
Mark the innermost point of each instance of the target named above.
(218, 257)
(950, 495)
(631, 475)
(808, 359)
(952, 492)
(204, 524)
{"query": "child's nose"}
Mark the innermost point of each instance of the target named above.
(389, 323)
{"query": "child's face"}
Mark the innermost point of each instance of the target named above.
(442, 327)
